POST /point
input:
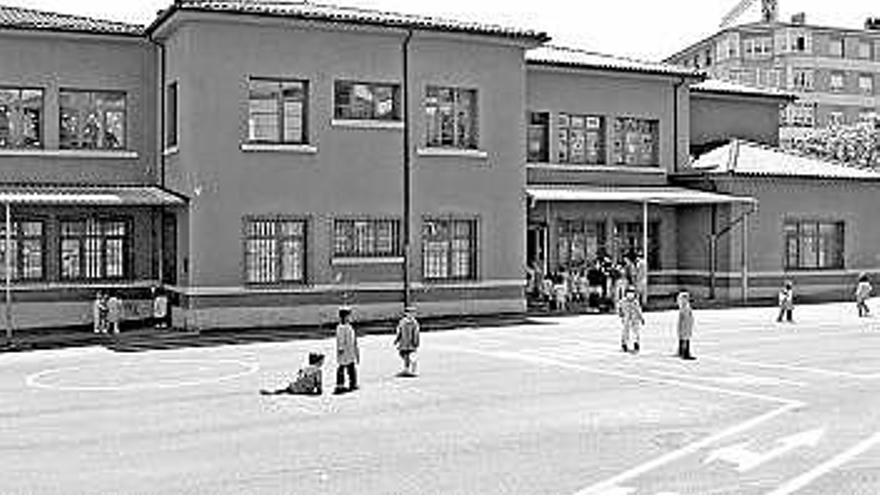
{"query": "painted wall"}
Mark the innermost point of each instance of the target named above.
(52, 61)
(719, 118)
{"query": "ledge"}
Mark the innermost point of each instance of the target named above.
(387, 125)
(89, 154)
(306, 149)
(452, 153)
(597, 168)
(388, 260)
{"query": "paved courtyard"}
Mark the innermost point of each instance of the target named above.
(547, 408)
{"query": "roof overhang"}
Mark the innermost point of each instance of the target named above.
(666, 195)
(89, 195)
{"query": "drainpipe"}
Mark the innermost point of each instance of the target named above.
(407, 174)
(7, 261)
(160, 237)
(713, 251)
(676, 87)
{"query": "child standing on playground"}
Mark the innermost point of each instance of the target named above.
(347, 352)
(863, 292)
(99, 313)
(685, 325)
(630, 311)
(786, 302)
(407, 340)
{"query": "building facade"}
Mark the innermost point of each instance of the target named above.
(833, 71)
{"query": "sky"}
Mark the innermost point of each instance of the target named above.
(645, 29)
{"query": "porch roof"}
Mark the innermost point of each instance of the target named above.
(116, 195)
(661, 195)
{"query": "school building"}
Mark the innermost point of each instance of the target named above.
(266, 162)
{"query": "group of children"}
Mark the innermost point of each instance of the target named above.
(108, 311)
(308, 380)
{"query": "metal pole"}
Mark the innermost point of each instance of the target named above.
(745, 260)
(8, 264)
(407, 176)
(645, 249)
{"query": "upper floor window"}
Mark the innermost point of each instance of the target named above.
(581, 139)
(94, 249)
(21, 118)
(93, 120)
(27, 249)
(449, 249)
(867, 115)
(277, 111)
(866, 84)
(451, 117)
(864, 49)
(171, 115)
(836, 47)
(757, 47)
(836, 81)
(799, 114)
(275, 250)
(366, 101)
(538, 146)
(636, 141)
(813, 245)
(836, 118)
(366, 238)
(802, 79)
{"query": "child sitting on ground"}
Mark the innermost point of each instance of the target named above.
(308, 380)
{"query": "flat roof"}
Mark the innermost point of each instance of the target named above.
(88, 195)
(660, 195)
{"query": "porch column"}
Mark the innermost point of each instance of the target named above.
(745, 259)
(645, 249)
(7, 261)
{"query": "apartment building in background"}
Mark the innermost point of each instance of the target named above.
(835, 72)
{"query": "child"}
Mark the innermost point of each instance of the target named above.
(347, 352)
(786, 302)
(685, 325)
(160, 308)
(114, 313)
(630, 312)
(863, 292)
(308, 379)
(407, 340)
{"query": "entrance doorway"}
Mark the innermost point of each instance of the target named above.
(536, 246)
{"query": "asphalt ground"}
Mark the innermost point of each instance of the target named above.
(549, 407)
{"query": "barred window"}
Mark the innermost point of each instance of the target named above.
(275, 251)
(94, 249)
(366, 101)
(449, 249)
(366, 238)
(92, 119)
(21, 118)
(813, 245)
(27, 247)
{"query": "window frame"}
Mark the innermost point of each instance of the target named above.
(172, 128)
(567, 228)
(839, 227)
(353, 251)
(570, 129)
(863, 90)
(473, 255)
(473, 140)
(17, 237)
(82, 238)
(396, 102)
(279, 101)
(125, 145)
(835, 76)
(543, 153)
(655, 246)
(655, 159)
(278, 239)
(41, 134)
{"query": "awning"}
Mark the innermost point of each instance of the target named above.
(88, 195)
(665, 195)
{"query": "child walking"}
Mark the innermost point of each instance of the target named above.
(308, 380)
(407, 340)
(863, 292)
(786, 302)
(630, 312)
(685, 325)
(347, 352)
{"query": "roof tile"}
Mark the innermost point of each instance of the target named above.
(574, 57)
(21, 18)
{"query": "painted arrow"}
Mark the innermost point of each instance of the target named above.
(746, 459)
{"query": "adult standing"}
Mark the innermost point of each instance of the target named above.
(347, 352)
(407, 340)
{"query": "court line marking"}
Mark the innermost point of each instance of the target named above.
(33, 380)
(796, 368)
(835, 462)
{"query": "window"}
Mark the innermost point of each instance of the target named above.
(93, 120)
(864, 49)
(366, 101)
(800, 114)
(836, 47)
(579, 242)
(836, 118)
(449, 249)
(366, 238)
(538, 137)
(628, 237)
(581, 139)
(866, 84)
(802, 79)
(636, 142)
(27, 249)
(813, 245)
(836, 81)
(451, 115)
(94, 249)
(758, 47)
(277, 111)
(867, 115)
(171, 115)
(800, 43)
(21, 118)
(708, 55)
(275, 250)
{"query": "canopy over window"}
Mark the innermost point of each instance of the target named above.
(89, 195)
(663, 195)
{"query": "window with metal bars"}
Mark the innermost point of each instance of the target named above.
(366, 238)
(95, 249)
(275, 250)
(812, 245)
(27, 250)
(449, 249)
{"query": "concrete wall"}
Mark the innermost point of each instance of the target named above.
(52, 61)
(719, 118)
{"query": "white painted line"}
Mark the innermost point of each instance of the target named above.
(808, 477)
(796, 368)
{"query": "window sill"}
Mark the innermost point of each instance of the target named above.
(388, 260)
(452, 153)
(389, 125)
(173, 150)
(112, 154)
(305, 149)
(647, 169)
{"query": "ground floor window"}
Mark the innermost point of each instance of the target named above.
(813, 245)
(579, 242)
(449, 249)
(27, 249)
(628, 240)
(275, 250)
(366, 238)
(94, 249)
